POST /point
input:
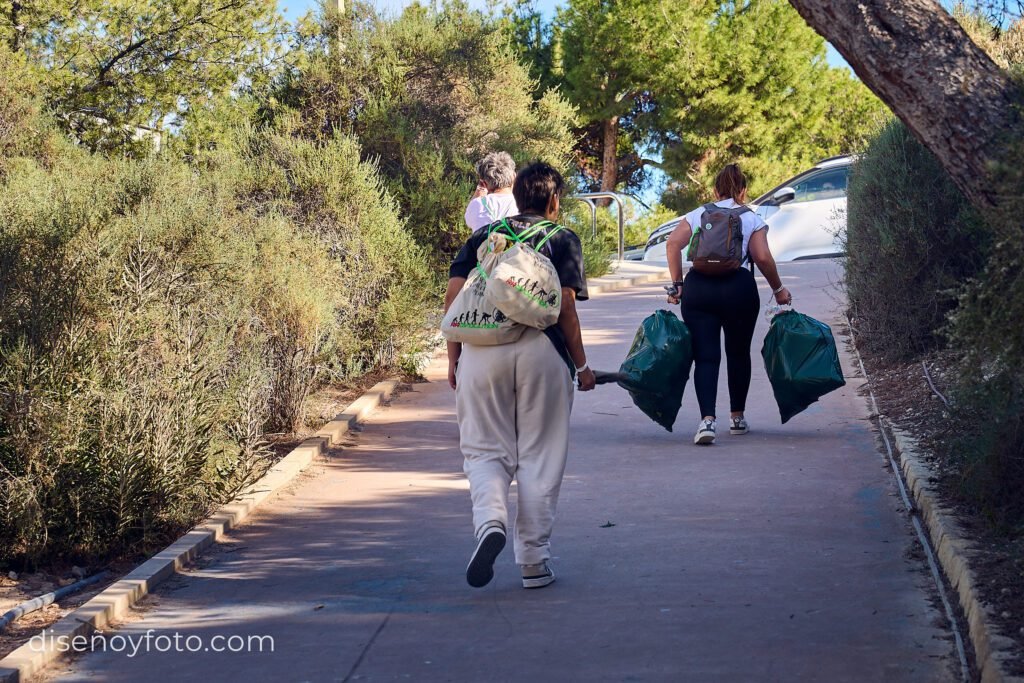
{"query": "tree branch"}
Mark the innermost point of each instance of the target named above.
(197, 19)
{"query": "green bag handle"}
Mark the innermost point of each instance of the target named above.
(544, 225)
(516, 237)
(531, 231)
(522, 237)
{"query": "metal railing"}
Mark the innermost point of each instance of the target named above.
(591, 199)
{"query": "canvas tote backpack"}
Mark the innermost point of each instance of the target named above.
(524, 284)
(472, 318)
(716, 247)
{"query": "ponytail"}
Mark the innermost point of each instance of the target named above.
(730, 182)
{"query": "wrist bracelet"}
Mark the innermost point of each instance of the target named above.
(584, 368)
(677, 283)
(776, 291)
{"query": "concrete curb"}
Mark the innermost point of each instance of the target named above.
(114, 602)
(616, 281)
(990, 649)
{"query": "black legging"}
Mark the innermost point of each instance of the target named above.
(711, 304)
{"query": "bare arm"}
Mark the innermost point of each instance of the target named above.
(454, 348)
(762, 256)
(674, 246)
(569, 322)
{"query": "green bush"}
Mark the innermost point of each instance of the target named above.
(987, 443)
(157, 320)
(985, 329)
(912, 241)
(426, 93)
(597, 253)
(925, 271)
(598, 249)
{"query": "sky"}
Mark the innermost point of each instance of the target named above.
(295, 8)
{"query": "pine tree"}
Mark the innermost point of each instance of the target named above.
(696, 83)
(113, 70)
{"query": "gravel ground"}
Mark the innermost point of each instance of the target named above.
(906, 398)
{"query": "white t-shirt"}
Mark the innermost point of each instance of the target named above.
(751, 221)
(489, 208)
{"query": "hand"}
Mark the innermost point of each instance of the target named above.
(452, 366)
(480, 190)
(675, 294)
(784, 298)
(587, 380)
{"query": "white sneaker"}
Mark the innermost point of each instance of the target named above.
(705, 433)
(537, 575)
(738, 425)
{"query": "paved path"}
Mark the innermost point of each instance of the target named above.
(781, 555)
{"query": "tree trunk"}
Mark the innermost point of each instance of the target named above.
(610, 157)
(918, 60)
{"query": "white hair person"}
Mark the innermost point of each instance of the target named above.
(496, 171)
(493, 198)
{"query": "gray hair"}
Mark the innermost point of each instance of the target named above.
(497, 170)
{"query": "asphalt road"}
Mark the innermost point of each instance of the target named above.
(781, 555)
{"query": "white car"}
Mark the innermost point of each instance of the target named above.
(806, 215)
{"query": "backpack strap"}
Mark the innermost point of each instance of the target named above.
(517, 237)
(695, 229)
(709, 207)
(530, 232)
(543, 225)
(739, 211)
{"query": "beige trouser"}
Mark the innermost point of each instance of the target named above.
(513, 403)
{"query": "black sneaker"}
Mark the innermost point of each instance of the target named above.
(481, 566)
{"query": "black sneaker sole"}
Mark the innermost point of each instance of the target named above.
(481, 566)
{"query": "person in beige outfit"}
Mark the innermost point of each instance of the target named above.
(513, 400)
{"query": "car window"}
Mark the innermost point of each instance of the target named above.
(767, 198)
(827, 184)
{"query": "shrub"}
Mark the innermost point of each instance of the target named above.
(598, 249)
(156, 322)
(912, 240)
(925, 270)
(597, 253)
(427, 94)
(985, 328)
(989, 460)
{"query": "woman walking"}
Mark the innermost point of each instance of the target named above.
(513, 400)
(720, 295)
